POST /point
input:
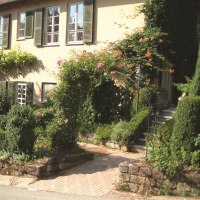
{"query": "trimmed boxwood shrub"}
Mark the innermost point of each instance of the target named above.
(20, 126)
(185, 140)
(103, 133)
(126, 132)
(138, 124)
(146, 96)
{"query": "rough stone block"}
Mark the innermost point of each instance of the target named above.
(124, 177)
(137, 179)
(183, 187)
(123, 167)
(134, 169)
(133, 187)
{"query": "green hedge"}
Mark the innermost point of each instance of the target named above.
(147, 97)
(20, 126)
(185, 140)
(126, 132)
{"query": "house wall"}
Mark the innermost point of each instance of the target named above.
(108, 15)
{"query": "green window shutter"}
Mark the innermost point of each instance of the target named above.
(6, 29)
(29, 93)
(88, 20)
(29, 24)
(11, 88)
(38, 30)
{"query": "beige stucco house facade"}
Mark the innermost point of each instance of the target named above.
(51, 29)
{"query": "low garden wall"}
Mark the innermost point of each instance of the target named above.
(137, 176)
(45, 166)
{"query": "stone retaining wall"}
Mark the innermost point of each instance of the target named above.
(44, 167)
(138, 176)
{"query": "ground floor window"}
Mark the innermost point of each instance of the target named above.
(46, 87)
(21, 92)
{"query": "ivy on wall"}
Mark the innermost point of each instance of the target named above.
(16, 59)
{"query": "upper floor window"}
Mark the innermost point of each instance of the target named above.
(75, 22)
(80, 22)
(4, 31)
(25, 24)
(1, 31)
(22, 21)
(52, 25)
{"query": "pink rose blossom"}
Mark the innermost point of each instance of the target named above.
(100, 65)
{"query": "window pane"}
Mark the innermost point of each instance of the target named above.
(49, 29)
(49, 21)
(72, 36)
(80, 26)
(56, 20)
(56, 28)
(56, 11)
(50, 12)
(21, 33)
(80, 36)
(72, 26)
(46, 87)
(48, 38)
(55, 38)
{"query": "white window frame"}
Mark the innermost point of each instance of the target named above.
(76, 30)
(53, 25)
(21, 29)
(21, 95)
(1, 31)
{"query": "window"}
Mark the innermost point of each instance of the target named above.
(24, 92)
(22, 22)
(4, 31)
(52, 25)
(25, 24)
(80, 22)
(1, 31)
(21, 93)
(46, 87)
(75, 22)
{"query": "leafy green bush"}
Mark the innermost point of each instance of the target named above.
(3, 143)
(159, 151)
(3, 120)
(20, 126)
(185, 145)
(5, 99)
(147, 97)
(103, 133)
(59, 134)
(125, 132)
(84, 92)
(195, 83)
(120, 133)
(44, 115)
(138, 124)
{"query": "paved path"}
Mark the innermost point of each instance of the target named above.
(93, 179)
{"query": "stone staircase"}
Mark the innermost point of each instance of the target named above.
(159, 120)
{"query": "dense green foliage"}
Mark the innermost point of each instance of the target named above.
(159, 151)
(3, 120)
(20, 127)
(88, 97)
(195, 84)
(185, 139)
(179, 20)
(3, 143)
(103, 133)
(126, 132)
(5, 99)
(15, 59)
